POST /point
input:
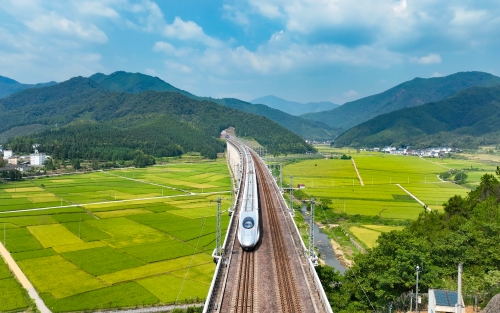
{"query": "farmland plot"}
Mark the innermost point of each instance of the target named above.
(128, 236)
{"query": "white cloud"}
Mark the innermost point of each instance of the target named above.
(54, 23)
(235, 15)
(165, 47)
(178, 67)
(437, 74)
(350, 94)
(267, 8)
(432, 58)
(189, 30)
(148, 16)
(96, 8)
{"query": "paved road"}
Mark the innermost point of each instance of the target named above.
(23, 280)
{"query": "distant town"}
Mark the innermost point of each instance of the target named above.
(22, 163)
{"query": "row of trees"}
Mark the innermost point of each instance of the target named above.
(468, 231)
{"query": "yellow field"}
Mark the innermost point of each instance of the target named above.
(120, 213)
(24, 189)
(54, 235)
(368, 236)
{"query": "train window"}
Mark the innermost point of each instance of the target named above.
(248, 222)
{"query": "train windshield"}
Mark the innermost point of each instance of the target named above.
(248, 222)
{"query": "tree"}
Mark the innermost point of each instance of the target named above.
(49, 164)
(461, 177)
(76, 164)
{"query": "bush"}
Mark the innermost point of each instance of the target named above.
(461, 178)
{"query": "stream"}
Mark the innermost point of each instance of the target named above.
(324, 247)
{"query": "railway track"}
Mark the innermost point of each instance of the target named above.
(245, 291)
(272, 277)
(288, 298)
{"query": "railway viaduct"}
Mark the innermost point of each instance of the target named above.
(278, 275)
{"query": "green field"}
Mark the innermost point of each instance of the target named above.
(368, 234)
(335, 180)
(135, 237)
(12, 297)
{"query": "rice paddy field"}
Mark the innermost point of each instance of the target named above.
(388, 181)
(382, 175)
(117, 239)
(368, 234)
(12, 297)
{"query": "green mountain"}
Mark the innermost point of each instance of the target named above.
(9, 86)
(79, 115)
(294, 108)
(137, 82)
(307, 129)
(468, 119)
(409, 94)
(134, 83)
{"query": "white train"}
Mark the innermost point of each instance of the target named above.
(249, 227)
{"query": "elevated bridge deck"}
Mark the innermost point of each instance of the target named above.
(277, 275)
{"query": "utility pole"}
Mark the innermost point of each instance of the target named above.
(218, 232)
(311, 231)
(418, 269)
(291, 194)
(281, 177)
(459, 296)
(80, 229)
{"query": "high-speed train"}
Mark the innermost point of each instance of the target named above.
(248, 230)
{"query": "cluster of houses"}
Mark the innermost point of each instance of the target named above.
(426, 153)
(22, 163)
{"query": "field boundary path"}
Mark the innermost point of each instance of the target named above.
(414, 197)
(148, 183)
(357, 172)
(167, 308)
(113, 201)
(23, 280)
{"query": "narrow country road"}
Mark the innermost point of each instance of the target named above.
(357, 172)
(23, 280)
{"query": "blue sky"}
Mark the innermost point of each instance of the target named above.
(301, 50)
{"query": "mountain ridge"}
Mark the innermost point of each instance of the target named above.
(9, 86)
(81, 98)
(465, 120)
(407, 94)
(293, 107)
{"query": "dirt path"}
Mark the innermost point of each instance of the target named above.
(23, 280)
(417, 199)
(359, 176)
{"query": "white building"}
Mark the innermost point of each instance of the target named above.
(37, 158)
(7, 154)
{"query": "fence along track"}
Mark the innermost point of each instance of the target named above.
(288, 296)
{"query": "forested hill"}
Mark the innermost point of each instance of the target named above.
(409, 94)
(468, 119)
(9, 86)
(137, 82)
(81, 116)
(134, 82)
